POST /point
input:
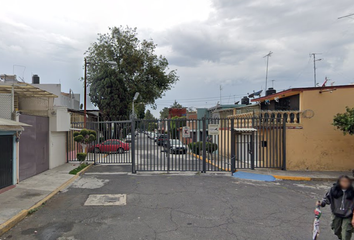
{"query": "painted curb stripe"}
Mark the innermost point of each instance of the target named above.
(6, 226)
(292, 178)
(210, 162)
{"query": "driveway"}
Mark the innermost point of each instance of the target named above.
(177, 207)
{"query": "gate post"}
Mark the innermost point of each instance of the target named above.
(233, 159)
(168, 144)
(252, 146)
(133, 144)
(284, 143)
(204, 145)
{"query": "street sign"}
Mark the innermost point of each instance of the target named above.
(213, 129)
(186, 132)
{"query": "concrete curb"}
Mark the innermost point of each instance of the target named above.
(210, 162)
(6, 226)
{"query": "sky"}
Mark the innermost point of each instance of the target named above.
(216, 46)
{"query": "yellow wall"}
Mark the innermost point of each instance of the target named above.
(319, 146)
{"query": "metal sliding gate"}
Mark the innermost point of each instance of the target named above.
(198, 145)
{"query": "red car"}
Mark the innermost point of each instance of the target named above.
(110, 145)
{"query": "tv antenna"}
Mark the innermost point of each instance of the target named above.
(267, 56)
(347, 16)
(314, 66)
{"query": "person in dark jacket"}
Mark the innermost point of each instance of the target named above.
(341, 199)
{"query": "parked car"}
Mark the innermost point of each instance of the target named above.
(160, 139)
(110, 145)
(176, 146)
(151, 135)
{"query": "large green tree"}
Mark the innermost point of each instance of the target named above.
(345, 121)
(119, 65)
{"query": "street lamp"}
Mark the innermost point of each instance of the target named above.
(134, 99)
(85, 84)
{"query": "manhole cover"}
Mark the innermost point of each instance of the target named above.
(106, 200)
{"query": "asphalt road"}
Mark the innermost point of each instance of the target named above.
(171, 207)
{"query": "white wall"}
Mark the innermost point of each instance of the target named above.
(61, 100)
(59, 124)
(57, 149)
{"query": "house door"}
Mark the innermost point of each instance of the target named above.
(6, 161)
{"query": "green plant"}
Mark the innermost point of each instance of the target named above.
(84, 137)
(197, 147)
(345, 121)
(78, 169)
(81, 156)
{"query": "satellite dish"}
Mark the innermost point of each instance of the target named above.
(258, 93)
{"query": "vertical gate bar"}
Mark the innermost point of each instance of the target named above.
(67, 146)
(168, 145)
(284, 144)
(133, 144)
(273, 142)
(267, 140)
(252, 145)
(204, 145)
(232, 145)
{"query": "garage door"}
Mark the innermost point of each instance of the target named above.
(34, 146)
(6, 158)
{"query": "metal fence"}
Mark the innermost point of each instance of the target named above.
(198, 145)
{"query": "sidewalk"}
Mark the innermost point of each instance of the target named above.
(299, 175)
(17, 201)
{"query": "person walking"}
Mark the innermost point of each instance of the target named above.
(341, 200)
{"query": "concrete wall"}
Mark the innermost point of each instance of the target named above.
(319, 146)
(57, 149)
(61, 100)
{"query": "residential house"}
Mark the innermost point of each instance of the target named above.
(309, 141)
(43, 143)
(10, 132)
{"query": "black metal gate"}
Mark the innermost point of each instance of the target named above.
(6, 161)
(260, 143)
(180, 144)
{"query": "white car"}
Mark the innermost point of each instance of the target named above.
(128, 138)
(176, 146)
(151, 135)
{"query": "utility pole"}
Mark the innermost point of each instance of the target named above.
(267, 56)
(85, 94)
(314, 67)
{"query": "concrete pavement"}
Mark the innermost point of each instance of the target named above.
(163, 207)
(16, 201)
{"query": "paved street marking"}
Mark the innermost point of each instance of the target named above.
(106, 200)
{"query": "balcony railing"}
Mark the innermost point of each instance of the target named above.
(291, 116)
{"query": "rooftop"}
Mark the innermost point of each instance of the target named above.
(295, 91)
(25, 90)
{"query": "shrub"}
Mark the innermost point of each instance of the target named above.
(81, 156)
(196, 147)
(345, 121)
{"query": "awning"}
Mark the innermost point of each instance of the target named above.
(245, 130)
(10, 125)
(25, 90)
